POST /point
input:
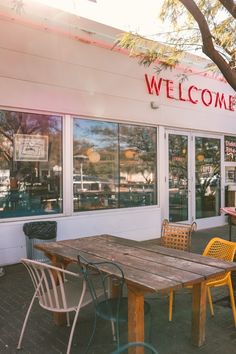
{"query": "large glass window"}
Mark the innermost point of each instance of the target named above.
(30, 164)
(114, 165)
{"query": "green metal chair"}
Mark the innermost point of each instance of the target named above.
(125, 347)
(99, 276)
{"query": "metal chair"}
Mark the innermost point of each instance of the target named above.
(225, 250)
(148, 346)
(177, 236)
(103, 275)
(54, 293)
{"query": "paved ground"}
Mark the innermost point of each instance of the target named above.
(43, 337)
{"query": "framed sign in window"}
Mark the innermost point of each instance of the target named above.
(230, 174)
(30, 147)
(230, 148)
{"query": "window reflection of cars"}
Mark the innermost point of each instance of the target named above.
(88, 183)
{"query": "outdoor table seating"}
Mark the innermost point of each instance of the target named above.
(146, 270)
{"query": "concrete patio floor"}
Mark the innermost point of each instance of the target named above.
(43, 337)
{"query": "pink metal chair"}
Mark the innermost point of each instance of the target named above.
(56, 292)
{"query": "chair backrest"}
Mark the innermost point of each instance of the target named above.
(49, 285)
(99, 276)
(176, 235)
(220, 248)
(136, 344)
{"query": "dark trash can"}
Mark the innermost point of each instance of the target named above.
(39, 232)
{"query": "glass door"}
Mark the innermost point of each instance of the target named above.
(207, 176)
(194, 178)
(178, 177)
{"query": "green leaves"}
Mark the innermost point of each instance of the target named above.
(192, 25)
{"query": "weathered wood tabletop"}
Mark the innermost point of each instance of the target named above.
(146, 270)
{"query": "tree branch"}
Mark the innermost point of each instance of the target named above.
(208, 46)
(230, 5)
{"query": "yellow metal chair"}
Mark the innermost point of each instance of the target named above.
(225, 250)
(177, 236)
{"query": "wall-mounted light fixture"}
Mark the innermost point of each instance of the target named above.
(154, 105)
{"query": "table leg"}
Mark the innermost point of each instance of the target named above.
(58, 317)
(230, 227)
(198, 313)
(135, 318)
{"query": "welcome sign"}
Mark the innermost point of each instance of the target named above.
(193, 94)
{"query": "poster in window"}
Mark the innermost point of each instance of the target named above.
(230, 175)
(230, 148)
(30, 147)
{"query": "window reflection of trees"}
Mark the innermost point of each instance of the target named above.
(207, 166)
(178, 177)
(35, 181)
(121, 181)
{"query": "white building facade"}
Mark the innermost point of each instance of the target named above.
(100, 144)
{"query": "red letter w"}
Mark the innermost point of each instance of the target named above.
(151, 86)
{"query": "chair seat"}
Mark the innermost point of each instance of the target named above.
(219, 280)
(107, 309)
(72, 290)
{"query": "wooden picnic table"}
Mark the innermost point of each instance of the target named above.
(146, 270)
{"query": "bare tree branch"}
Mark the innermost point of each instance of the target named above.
(230, 5)
(208, 45)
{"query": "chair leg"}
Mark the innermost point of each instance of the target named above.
(26, 320)
(113, 331)
(75, 318)
(210, 301)
(68, 319)
(92, 335)
(171, 296)
(117, 334)
(231, 294)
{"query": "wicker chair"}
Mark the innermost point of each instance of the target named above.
(177, 236)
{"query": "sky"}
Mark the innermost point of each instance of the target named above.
(129, 15)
